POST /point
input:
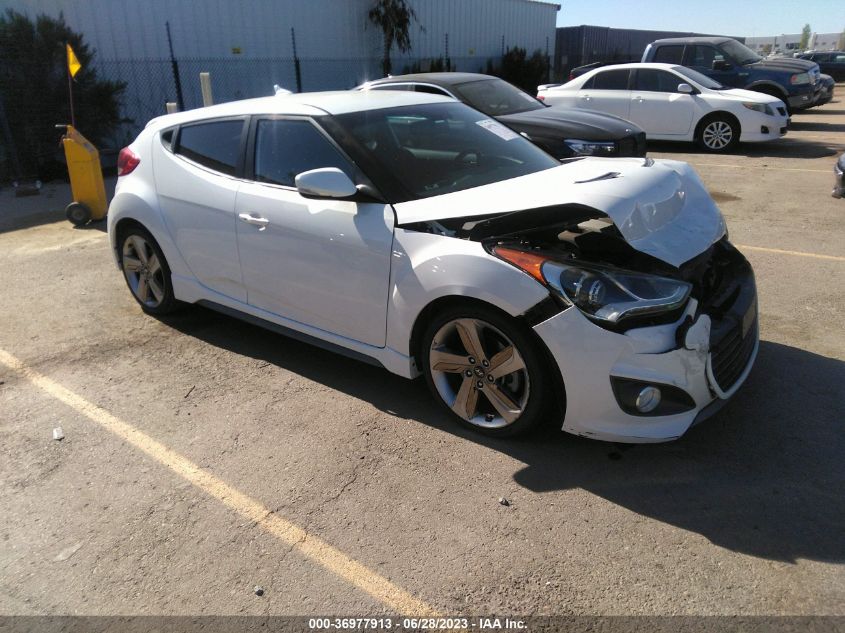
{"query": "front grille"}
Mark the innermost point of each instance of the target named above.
(730, 356)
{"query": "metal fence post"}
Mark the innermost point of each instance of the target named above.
(175, 65)
(296, 67)
(205, 86)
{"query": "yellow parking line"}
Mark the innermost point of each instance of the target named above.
(314, 548)
(778, 251)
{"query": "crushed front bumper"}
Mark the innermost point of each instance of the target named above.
(712, 361)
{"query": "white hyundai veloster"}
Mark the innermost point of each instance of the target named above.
(411, 231)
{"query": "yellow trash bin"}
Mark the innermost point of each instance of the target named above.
(86, 178)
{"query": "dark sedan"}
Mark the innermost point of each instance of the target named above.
(562, 132)
(831, 63)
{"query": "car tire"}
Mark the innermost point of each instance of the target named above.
(717, 133)
(146, 271)
(465, 346)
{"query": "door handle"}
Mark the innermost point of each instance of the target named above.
(585, 97)
(637, 98)
(254, 220)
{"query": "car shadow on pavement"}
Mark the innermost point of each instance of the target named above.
(816, 126)
(764, 477)
(781, 148)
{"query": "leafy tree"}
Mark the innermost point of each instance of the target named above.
(34, 89)
(805, 37)
(393, 17)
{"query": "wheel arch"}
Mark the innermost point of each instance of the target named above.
(713, 115)
(769, 88)
(527, 319)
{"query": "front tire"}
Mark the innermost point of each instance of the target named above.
(718, 133)
(146, 271)
(486, 369)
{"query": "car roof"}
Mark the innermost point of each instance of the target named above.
(440, 79)
(694, 40)
(305, 103)
(639, 65)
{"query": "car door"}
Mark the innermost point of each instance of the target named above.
(657, 106)
(606, 91)
(710, 61)
(324, 263)
(196, 179)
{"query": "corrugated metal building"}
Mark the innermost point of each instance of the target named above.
(578, 45)
(248, 45)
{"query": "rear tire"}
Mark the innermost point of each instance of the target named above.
(146, 271)
(717, 133)
(470, 345)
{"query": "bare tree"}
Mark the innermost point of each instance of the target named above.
(393, 17)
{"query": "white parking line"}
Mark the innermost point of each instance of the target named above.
(778, 251)
(307, 544)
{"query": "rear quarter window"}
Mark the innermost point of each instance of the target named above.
(216, 144)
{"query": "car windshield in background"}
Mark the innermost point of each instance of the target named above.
(697, 77)
(432, 149)
(496, 97)
(741, 53)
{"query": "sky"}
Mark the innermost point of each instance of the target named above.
(723, 17)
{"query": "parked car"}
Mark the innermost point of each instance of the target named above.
(839, 183)
(675, 103)
(562, 133)
(825, 95)
(414, 232)
(830, 62)
(793, 81)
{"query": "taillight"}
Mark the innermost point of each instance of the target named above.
(541, 97)
(571, 76)
(127, 161)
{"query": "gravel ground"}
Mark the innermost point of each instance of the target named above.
(744, 515)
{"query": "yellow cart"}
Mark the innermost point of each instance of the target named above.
(86, 178)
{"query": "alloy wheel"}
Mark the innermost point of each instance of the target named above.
(479, 373)
(717, 135)
(143, 271)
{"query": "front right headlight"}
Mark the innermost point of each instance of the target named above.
(800, 79)
(763, 108)
(604, 294)
(591, 148)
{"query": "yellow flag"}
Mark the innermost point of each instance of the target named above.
(73, 64)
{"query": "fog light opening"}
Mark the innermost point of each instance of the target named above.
(648, 399)
(764, 129)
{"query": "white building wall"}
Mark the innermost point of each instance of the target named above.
(246, 45)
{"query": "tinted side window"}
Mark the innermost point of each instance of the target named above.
(839, 59)
(669, 54)
(611, 80)
(704, 56)
(404, 87)
(656, 81)
(216, 145)
(432, 90)
(284, 149)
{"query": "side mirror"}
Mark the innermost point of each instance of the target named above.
(721, 65)
(327, 182)
(686, 89)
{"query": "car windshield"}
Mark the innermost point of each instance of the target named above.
(496, 97)
(702, 80)
(436, 148)
(739, 52)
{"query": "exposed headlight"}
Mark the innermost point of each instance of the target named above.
(591, 148)
(763, 108)
(799, 79)
(601, 293)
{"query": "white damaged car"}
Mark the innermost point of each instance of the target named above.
(411, 231)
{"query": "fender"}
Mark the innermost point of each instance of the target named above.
(763, 83)
(421, 273)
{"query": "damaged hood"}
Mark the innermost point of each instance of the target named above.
(660, 207)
